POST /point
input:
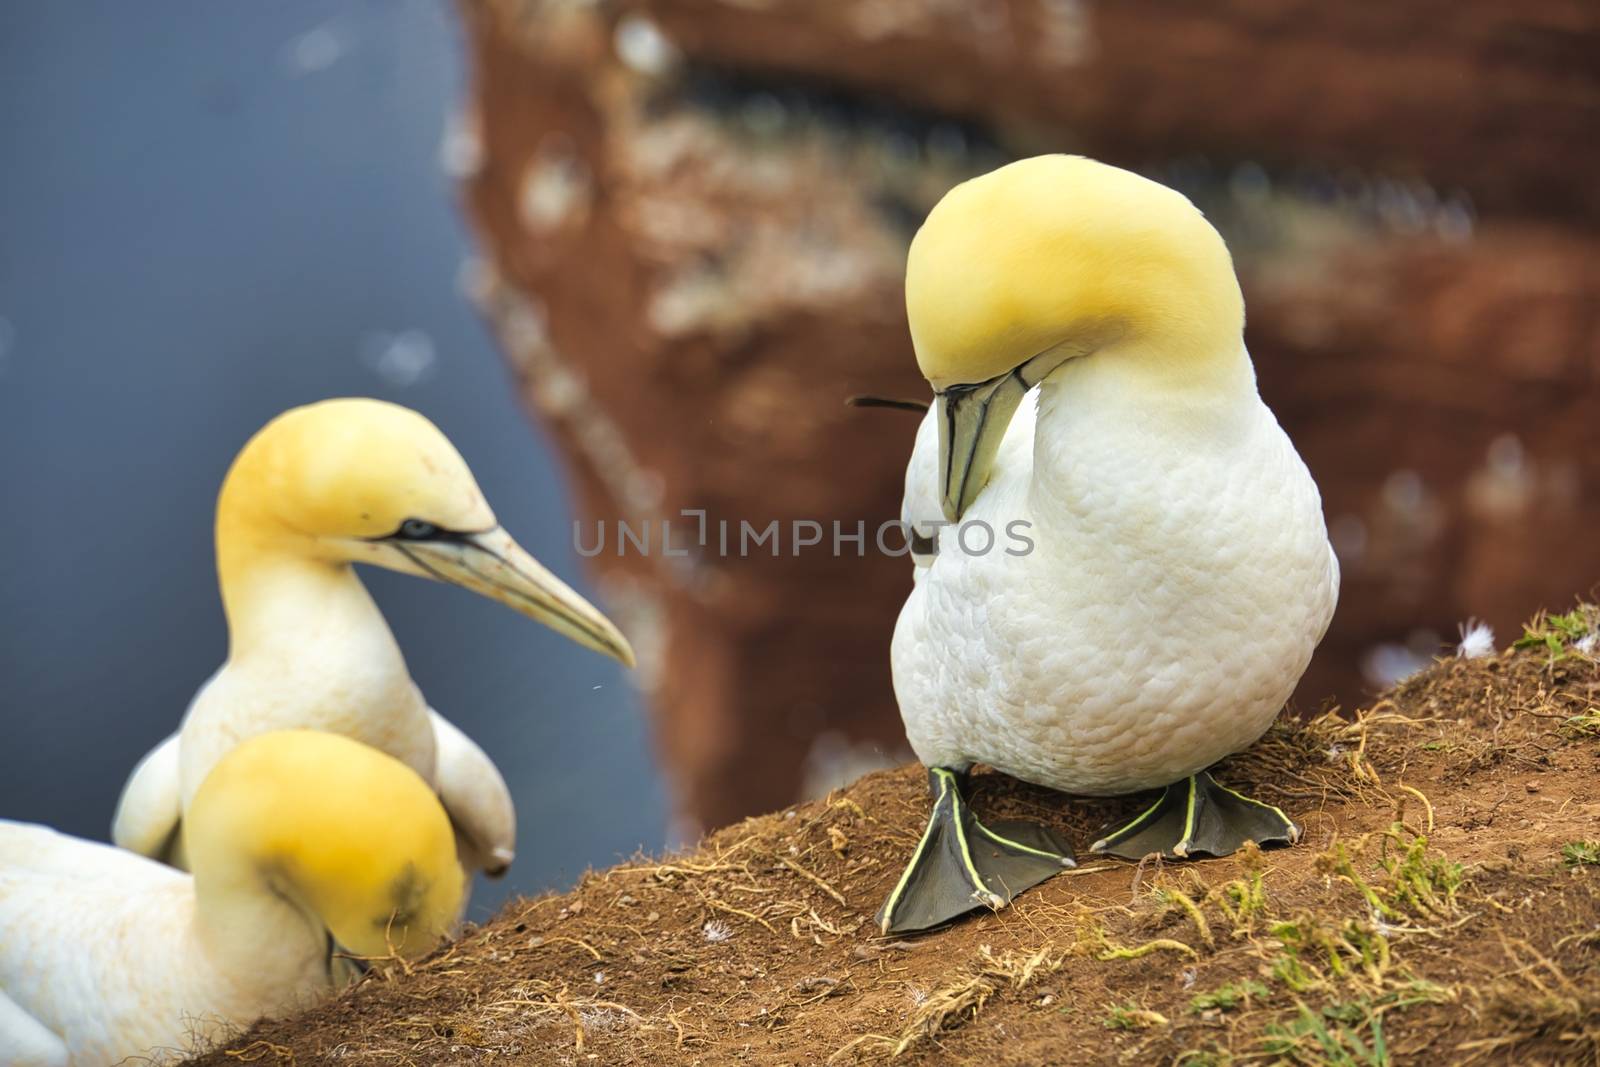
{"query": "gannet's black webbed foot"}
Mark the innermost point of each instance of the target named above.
(1197, 816)
(961, 864)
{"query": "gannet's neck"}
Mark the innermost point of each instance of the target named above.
(279, 592)
(281, 587)
(1191, 378)
(307, 646)
(1128, 401)
(256, 939)
(274, 596)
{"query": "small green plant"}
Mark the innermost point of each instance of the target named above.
(1243, 899)
(1331, 1036)
(1346, 1033)
(1418, 884)
(1422, 884)
(1131, 1016)
(1230, 996)
(1294, 975)
(1555, 632)
(1290, 970)
(1581, 853)
(1585, 725)
(1315, 953)
(1339, 862)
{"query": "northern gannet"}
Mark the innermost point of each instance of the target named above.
(318, 489)
(301, 841)
(1081, 327)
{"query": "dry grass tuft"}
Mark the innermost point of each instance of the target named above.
(1536, 999)
(948, 1007)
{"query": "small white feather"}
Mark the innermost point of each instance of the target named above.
(1477, 640)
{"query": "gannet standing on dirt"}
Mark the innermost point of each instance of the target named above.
(1180, 574)
(303, 844)
(318, 489)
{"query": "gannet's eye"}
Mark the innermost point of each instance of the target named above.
(417, 530)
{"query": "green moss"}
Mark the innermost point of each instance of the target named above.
(1421, 883)
(1230, 996)
(1581, 853)
(1416, 884)
(1243, 899)
(1131, 1016)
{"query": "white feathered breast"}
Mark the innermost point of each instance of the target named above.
(1180, 579)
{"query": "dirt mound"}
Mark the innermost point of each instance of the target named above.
(1444, 907)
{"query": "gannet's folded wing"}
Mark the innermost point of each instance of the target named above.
(475, 795)
(150, 808)
(1333, 589)
(920, 508)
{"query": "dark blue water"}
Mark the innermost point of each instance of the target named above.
(210, 212)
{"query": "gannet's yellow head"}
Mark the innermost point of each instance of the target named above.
(364, 481)
(1017, 271)
(352, 837)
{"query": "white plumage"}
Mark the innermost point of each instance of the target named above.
(100, 957)
(1179, 580)
(317, 490)
(339, 671)
(298, 839)
(1139, 571)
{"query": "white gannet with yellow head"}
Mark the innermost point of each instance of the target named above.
(318, 489)
(306, 846)
(1160, 571)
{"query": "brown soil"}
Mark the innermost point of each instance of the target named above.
(1440, 910)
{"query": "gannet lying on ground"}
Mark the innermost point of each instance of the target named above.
(318, 489)
(1180, 574)
(299, 840)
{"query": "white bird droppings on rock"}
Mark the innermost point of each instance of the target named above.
(556, 190)
(642, 47)
(461, 148)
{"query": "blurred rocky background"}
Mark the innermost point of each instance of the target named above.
(693, 216)
(209, 213)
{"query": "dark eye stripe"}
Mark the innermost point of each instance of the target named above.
(421, 531)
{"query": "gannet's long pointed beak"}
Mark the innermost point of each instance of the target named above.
(973, 420)
(493, 565)
(972, 423)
